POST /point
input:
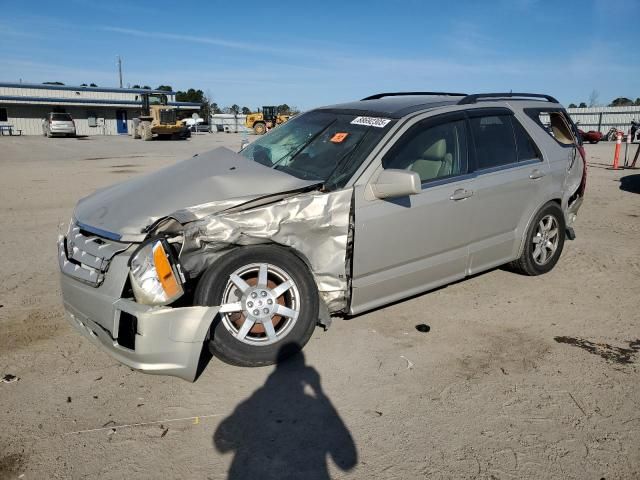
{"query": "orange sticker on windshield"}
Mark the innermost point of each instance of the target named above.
(339, 137)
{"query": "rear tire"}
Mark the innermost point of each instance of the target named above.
(272, 311)
(259, 128)
(543, 243)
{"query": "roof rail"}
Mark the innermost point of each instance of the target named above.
(402, 94)
(478, 96)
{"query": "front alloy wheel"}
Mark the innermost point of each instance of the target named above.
(268, 303)
(260, 304)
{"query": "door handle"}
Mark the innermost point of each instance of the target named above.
(536, 174)
(461, 194)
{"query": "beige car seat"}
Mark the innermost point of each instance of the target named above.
(435, 162)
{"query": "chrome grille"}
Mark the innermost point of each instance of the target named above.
(86, 257)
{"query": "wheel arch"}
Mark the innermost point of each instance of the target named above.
(554, 199)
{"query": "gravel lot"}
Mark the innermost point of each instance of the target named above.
(517, 378)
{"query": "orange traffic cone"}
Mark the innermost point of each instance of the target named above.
(616, 155)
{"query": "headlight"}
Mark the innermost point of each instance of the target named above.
(154, 279)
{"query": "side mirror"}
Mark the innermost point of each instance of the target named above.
(396, 183)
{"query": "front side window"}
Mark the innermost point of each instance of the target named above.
(321, 146)
(433, 151)
(3, 115)
(494, 141)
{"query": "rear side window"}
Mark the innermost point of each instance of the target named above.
(62, 117)
(526, 148)
(494, 141)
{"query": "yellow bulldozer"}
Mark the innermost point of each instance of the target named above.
(268, 118)
(157, 118)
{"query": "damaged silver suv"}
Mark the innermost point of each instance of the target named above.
(340, 210)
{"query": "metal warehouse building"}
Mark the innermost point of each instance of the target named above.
(95, 110)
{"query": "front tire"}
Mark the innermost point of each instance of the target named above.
(543, 243)
(268, 300)
(146, 132)
(259, 128)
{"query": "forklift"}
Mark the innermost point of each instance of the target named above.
(157, 118)
(268, 118)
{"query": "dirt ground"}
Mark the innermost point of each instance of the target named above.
(517, 378)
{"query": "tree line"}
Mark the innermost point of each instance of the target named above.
(210, 107)
(618, 102)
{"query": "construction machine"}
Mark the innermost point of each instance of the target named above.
(268, 118)
(157, 118)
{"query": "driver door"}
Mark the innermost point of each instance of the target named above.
(408, 245)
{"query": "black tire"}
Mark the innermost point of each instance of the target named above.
(210, 290)
(526, 263)
(259, 128)
(146, 132)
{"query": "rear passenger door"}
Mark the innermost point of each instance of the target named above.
(509, 185)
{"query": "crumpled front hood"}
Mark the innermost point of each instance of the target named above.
(127, 208)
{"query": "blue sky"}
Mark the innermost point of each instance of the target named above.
(314, 53)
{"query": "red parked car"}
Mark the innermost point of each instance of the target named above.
(592, 136)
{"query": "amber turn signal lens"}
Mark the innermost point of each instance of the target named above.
(165, 272)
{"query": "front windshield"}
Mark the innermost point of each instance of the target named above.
(157, 99)
(321, 146)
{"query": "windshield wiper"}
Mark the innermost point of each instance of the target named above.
(304, 145)
(342, 162)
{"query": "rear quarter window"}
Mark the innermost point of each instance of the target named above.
(555, 123)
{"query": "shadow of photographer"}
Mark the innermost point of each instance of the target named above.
(287, 428)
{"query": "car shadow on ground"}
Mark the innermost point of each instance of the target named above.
(630, 183)
(287, 428)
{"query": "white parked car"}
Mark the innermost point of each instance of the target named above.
(58, 124)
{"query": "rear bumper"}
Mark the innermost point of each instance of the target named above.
(65, 130)
(166, 340)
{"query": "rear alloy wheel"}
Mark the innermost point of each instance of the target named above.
(544, 242)
(267, 300)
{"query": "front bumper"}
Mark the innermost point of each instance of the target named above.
(164, 340)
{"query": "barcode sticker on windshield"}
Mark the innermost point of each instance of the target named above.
(370, 122)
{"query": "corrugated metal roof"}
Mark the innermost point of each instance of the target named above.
(79, 88)
(88, 101)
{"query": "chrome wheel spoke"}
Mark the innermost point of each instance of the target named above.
(280, 289)
(269, 329)
(537, 238)
(286, 312)
(248, 301)
(262, 275)
(239, 282)
(536, 252)
(246, 326)
(230, 307)
(553, 233)
(543, 255)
